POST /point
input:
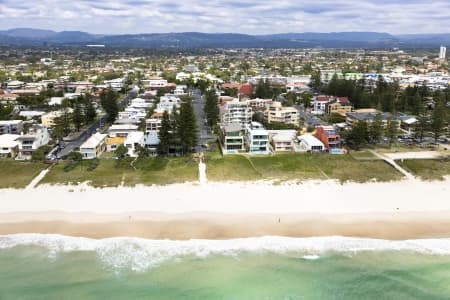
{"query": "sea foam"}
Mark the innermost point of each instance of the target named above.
(140, 254)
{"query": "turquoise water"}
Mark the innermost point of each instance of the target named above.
(58, 267)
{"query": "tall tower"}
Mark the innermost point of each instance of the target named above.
(442, 53)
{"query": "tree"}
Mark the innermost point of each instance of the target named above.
(211, 108)
(141, 151)
(376, 129)
(90, 113)
(187, 127)
(77, 116)
(358, 135)
(121, 151)
(263, 90)
(75, 156)
(165, 135)
(108, 100)
(306, 100)
(438, 119)
(40, 153)
(62, 125)
(392, 130)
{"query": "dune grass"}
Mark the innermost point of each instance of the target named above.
(111, 173)
(18, 174)
(298, 167)
(427, 169)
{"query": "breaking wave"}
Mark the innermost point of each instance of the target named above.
(140, 254)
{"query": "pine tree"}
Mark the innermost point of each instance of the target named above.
(77, 116)
(376, 129)
(187, 127)
(108, 100)
(438, 119)
(165, 135)
(89, 113)
(211, 108)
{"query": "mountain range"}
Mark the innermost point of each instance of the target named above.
(39, 37)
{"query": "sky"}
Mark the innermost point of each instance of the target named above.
(236, 16)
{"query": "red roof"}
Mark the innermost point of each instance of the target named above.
(231, 85)
(246, 89)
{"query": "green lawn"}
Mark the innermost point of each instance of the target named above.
(298, 167)
(18, 174)
(363, 155)
(148, 171)
(427, 169)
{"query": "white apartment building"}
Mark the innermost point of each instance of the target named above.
(277, 113)
(235, 112)
(257, 138)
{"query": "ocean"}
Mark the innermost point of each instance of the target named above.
(35, 266)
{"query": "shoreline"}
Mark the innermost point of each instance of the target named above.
(409, 209)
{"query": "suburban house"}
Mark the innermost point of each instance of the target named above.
(94, 146)
(11, 127)
(48, 119)
(282, 140)
(140, 103)
(36, 137)
(153, 124)
(168, 103)
(339, 105)
(113, 142)
(121, 130)
(151, 141)
(311, 143)
(131, 113)
(329, 137)
(133, 139)
(233, 138)
(257, 138)
(235, 112)
(9, 147)
(407, 123)
(7, 99)
(320, 104)
(15, 84)
(277, 113)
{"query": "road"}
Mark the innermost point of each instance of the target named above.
(71, 146)
(203, 130)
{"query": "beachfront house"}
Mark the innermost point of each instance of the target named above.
(283, 140)
(36, 137)
(257, 139)
(233, 139)
(94, 146)
(311, 143)
(133, 139)
(9, 146)
(329, 137)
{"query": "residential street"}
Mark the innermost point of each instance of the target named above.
(70, 146)
(203, 129)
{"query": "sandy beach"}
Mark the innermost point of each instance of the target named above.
(399, 210)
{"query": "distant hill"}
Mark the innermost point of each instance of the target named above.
(32, 37)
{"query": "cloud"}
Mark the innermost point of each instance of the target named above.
(246, 16)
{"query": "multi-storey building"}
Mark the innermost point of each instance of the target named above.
(235, 112)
